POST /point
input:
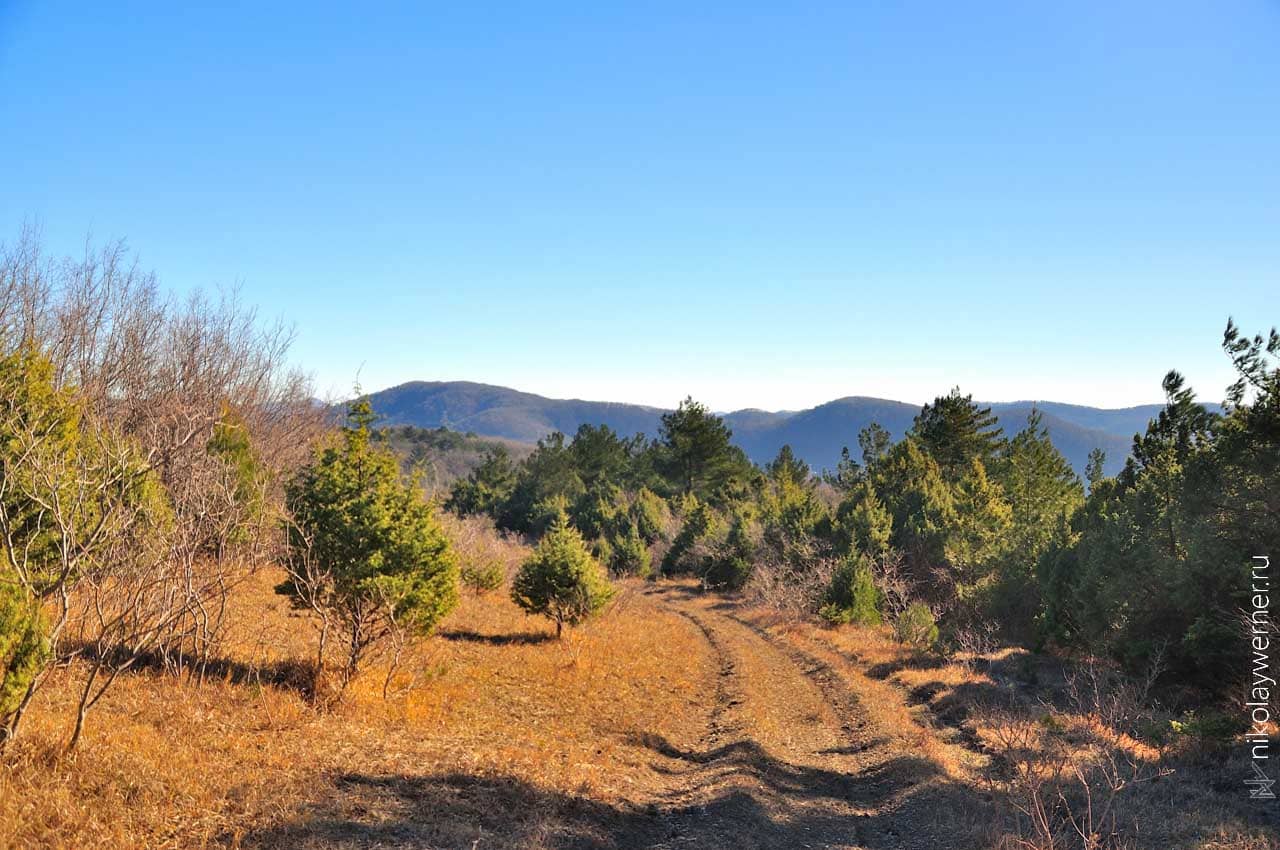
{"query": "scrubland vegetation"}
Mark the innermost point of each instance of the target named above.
(228, 620)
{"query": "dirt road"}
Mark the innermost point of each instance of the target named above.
(770, 750)
(789, 759)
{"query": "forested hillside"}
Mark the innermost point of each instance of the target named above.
(816, 435)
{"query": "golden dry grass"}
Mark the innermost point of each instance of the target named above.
(964, 711)
(178, 764)
(495, 735)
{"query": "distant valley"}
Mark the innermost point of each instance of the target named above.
(816, 435)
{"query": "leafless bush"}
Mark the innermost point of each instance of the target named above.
(1059, 799)
(896, 590)
(1116, 702)
(157, 380)
(478, 540)
(1063, 793)
(975, 640)
(791, 586)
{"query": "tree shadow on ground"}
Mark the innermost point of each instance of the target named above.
(748, 759)
(294, 674)
(512, 639)
(735, 797)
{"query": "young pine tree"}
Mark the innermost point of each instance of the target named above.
(852, 596)
(365, 552)
(863, 523)
(631, 555)
(561, 580)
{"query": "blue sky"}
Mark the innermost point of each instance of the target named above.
(766, 205)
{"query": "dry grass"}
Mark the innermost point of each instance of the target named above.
(984, 717)
(179, 764)
(496, 735)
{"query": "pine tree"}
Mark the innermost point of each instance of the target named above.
(980, 522)
(631, 555)
(561, 580)
(787, 467)
(696, 453)
(919, 501)
(865, 524)
(852, 596)
(1042, 489)
(874, 441)
(487, 488)
(1095, 469)
(599, 456)
(847, 474)
(364, 548)
(650, 515)
(955, 431)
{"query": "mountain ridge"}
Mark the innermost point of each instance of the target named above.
(816, 434)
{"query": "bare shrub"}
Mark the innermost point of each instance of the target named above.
(195, 398)
(479, 542)
(792, 586)
(1064, 792)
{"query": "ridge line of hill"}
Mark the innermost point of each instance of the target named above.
(816, 434)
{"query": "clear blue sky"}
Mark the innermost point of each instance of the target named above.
(761, 204)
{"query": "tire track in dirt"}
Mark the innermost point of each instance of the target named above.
(776, 768)
(791, 759)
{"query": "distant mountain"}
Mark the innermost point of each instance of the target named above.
(492, 411)
(816, 434)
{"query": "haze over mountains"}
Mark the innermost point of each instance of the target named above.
(816, 434)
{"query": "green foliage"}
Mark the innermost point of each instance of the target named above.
(874, 441)
(543, 514)
(793, 517)
(1159, 558)
(231, 444)
(650, 515)
(787, 467)
(561, 580)
(1094, 469)
(600, 457)
(729, 565)
(71, 491)
(39, 430)
(916, 626)
(1210, 729)
(852, 596)
(602, 551)
(919, 501)
(696, 455)
(548, 477)
(863, 523)
(691, 550)
(847, 474)
(599, 512)
(488, 487)
(954, 431)
(980, 523)
(482, 576)
(631, 555)
(24, 646)
(364, 545)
